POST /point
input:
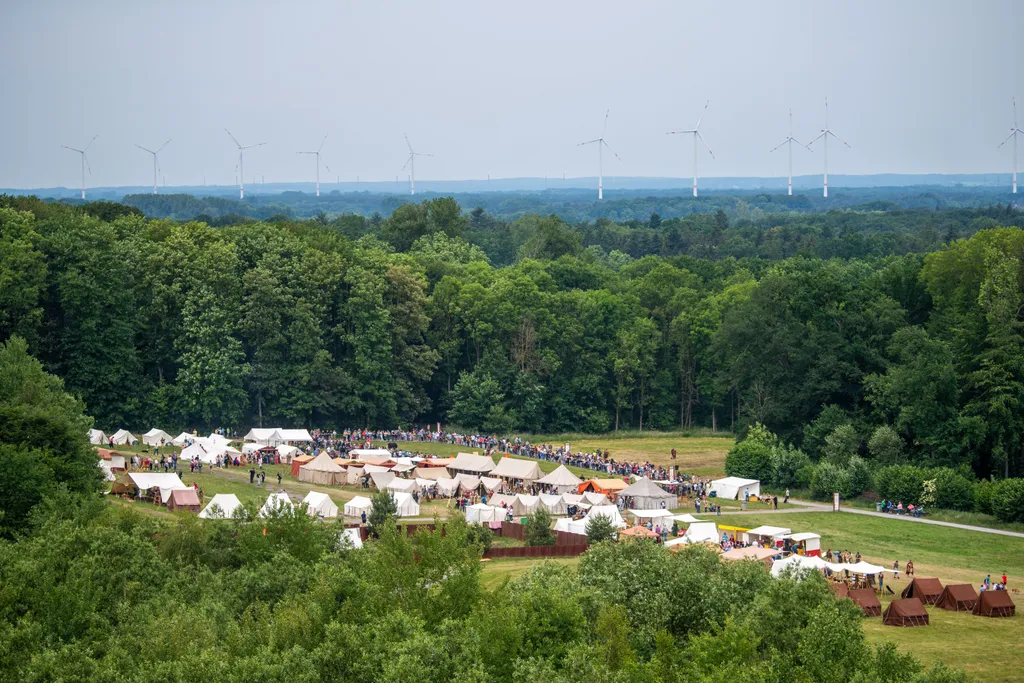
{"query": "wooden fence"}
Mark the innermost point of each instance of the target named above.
(536, 551)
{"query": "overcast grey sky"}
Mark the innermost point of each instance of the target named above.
(501, 88)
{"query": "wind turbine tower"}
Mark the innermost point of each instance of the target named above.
(696, 134)
(155, 164)
(601, 144)
(1013, 134)
(317, 153)
(823, 136)
(85, 161)
(241, 166)
(788, 142)
(411, 163)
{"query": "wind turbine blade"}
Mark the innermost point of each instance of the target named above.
(322, 143)
(409, 144)
(705, 144)
(680, 132)
(164, 145)
(407, 161)
(779, 145)
(86, 158)
(237, 143)
(146, 150)
(421, 154)
(1012, 133)
(818, 137)
(605, 128)
(828, 132)
(611, 150)
(90, 142)
(327, 167)
(579, 145)
(72, 149)
(795, 140)
(702, 115)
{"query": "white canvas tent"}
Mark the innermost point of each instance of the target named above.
(447, 487)
(357, 453)
(482, 514)
(221, 506)
(467, 482)
(353, 537)
(97, 437)
(609, 511)
(699, 532)
(266, 436)
(287, 452)
(295, 435)
(122, 437)
(644, 494)
(406, 485)
(403, 467)
(491, 483)
(767, 534)
(572, 526)
(653, 515)
(407, 506)
(107, 474)
(354, 475)
(731, 488)
(501, 500)
(357, 506)
(592, 498)
(685, 518)
(277, 501)
(471, 464)
(381, 479)
(323, 471)
(553, 504)
(218, 439)
(525, 505)
(320, 505)
(432, 473)
(523, 470)
(145, 481)
(562, 479)
(799, 564)
(183, 438)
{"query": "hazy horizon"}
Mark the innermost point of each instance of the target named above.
(507, 91)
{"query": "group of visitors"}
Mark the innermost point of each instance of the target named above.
(897, 508)
(989, 585)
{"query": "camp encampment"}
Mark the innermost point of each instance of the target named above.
(406, 485)
(491, 483)
(98, 438)
(732, 488)
(958, 597)
(993, 603)
(925, 590)
(521, 470)
(183, 438)
(184, 499)
(277, 503)
(561, 479)
(160, 485)
(323, 471)
(905, 612)
(644, 494)
(122, 437)
(552, 503)
(799, 564)
(471, 464)
(156, 437)
(407, 505)
(357, 506)
(483, 514)
(525, 505)
(320, 505)
(221, 506)
(866, 599)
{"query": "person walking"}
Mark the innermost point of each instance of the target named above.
(278, 478)
(252, 475)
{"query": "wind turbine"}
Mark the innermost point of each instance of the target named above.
(601, 144)
(155, 165)
(411, 163)
(1013, 134)
(317, 153)
(825, 132)
(85, 162)
(789, 142)
(696, 134)
(241, 167)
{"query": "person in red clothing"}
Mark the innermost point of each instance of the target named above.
(1004, 579)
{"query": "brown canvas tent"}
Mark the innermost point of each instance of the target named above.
(994, 604)
(906, 612)
(926, 590)
(958, 597)
(866, 599)
(840, 590)
(323, 471)
(184, 499)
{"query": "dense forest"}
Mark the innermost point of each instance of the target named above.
(802, 323)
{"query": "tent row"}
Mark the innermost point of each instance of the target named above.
(407, 506)
(275, 436)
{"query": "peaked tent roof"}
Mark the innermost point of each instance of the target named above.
(905, 612)
(609, 511)
(560, 476)
(227, 504)
(958, 597)
(926, 590)
(468, 462)
(645, 487)
(358, 505)
(294, 435)
(263, 434)
(275, 501)
(318, 503)
(123, 436)
(432, 473)
(186, 496)
(866, 599)
(527, 470)
(323, 463)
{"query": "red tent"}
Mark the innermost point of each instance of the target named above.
(958, 597)
(994, 604)
(925, 590)
(906, 612)
(866, 599)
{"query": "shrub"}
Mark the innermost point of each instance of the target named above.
(901, 483)
(599, 530)
(752, 457)
(831, 416)
(886, 446)
(828, 478)
(786, 464)
(860, 476)
(477, 534)
(1008, 500)
(953, 491)
(983, 492)
(803, 476)
(385, 508)
(538, 528)
(841, 445)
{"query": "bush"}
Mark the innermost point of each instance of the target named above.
(860, 476)
(886, 446)
(1008, 500)
(841, 445)
(599, 530)
(901, 483)
(953, 491)
(752, 457)
(983, 492)
(538, 528)
(803, 476)
(786, 465)
(383, 512)
(829, 478)
(477, 534)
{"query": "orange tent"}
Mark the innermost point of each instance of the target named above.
(637, 532)
(298, 461)
(608, 487)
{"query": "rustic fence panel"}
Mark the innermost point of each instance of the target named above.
(536, 551)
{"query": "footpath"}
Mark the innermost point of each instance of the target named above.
(805, 506)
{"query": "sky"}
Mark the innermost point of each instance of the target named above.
(501, 89)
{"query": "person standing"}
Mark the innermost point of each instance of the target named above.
(252, 475)
(1004, 580)
(786, 499)
(988, 582)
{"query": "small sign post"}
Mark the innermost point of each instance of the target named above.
(835, 502)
